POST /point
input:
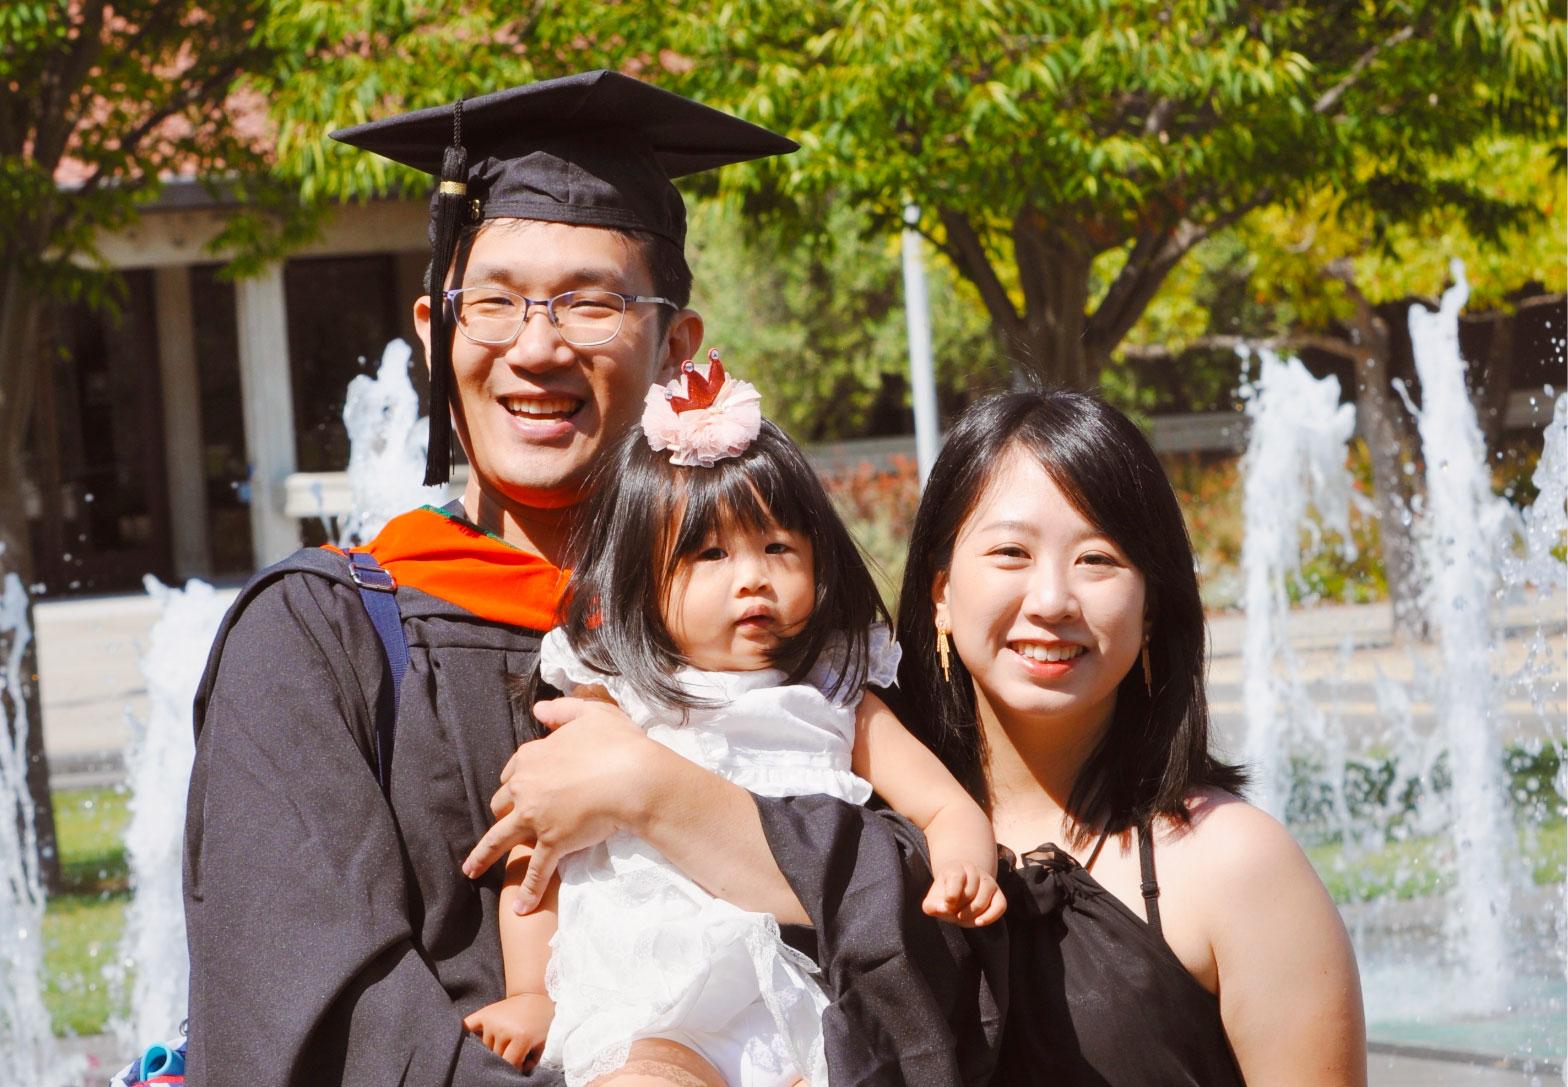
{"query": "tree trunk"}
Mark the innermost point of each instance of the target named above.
(19, 323)
(1388, 449)
(1046, 343)
(1493, 380)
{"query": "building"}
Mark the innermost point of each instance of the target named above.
(169, 435)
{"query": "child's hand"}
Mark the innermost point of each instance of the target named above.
(514, 1029)
(965, 895)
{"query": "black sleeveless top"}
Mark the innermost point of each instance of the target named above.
(1096, 996)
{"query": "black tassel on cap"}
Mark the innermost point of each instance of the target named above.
(451, 205)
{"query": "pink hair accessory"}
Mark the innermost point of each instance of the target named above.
(702, 418)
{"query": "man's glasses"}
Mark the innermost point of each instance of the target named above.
(586, 318)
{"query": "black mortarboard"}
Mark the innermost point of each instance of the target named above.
(594, 149)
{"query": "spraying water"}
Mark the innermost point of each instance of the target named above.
(158, 768)
(25, 1038)
(1412, 791)
(387, 439)
(1295, 463)
(1462, 540)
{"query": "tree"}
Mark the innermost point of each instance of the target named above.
(1337, 271)
(101, 102)
(818, 322)
(1067, 156)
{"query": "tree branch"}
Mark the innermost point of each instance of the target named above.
(1335, 345)
(1029, 253)
(50, 141)
(963, 247)
(1330, 98)
(188, 96)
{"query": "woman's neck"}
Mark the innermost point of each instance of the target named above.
(1031, 768)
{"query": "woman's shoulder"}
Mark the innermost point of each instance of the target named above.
(1226, 844)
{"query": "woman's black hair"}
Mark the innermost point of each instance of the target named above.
(1156, 750)
(645, 516)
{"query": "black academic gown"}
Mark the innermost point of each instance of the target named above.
(334, 938)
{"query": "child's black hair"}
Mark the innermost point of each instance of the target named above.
(645, 516)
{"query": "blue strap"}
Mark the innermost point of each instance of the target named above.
(377, 589)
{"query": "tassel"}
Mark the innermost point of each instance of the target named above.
(451, 204)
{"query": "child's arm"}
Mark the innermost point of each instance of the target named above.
(913, 780)
(515, 1028)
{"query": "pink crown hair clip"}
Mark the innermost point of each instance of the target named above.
(702, 418)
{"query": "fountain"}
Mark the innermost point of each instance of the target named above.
(387, 438)
(25, 1037)
(1414, 806)
(158, 767)
(1463, 542)
(1295, 463)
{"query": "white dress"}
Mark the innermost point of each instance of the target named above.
(643, 952)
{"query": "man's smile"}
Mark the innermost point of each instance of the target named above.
(542, 407)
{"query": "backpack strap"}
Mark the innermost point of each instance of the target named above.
(378, 590)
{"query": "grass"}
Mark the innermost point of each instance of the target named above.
(1414, 868)
(82, 925)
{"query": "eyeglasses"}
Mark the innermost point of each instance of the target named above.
(586, 318)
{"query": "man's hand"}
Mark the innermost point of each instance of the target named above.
(514, 1029)
(568, 791)
(964, 895)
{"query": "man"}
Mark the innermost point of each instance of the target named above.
(334, 936)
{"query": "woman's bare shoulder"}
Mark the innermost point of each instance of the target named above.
(1225, 840)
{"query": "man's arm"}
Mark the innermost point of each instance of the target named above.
(898, 979)
(303, 968)
(574, 788)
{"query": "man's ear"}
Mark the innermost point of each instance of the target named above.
(681, 342)
(422, 325)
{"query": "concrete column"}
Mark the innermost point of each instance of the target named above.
(183, 457)
(266, 383)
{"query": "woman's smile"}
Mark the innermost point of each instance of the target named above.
(1048, 659)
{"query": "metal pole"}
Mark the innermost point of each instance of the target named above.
(917, 314)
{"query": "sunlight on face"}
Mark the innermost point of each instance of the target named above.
(1046, 613)
(739, 595)
(535, 414)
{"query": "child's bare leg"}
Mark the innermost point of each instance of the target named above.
(657, 1062)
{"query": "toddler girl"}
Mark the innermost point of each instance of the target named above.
(720, 602)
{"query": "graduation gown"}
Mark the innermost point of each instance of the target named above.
(333, 936)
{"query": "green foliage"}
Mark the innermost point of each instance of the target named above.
(1065, 156)
(111, 101)
(817, 322)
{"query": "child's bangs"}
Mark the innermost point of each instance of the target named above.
(746, 493)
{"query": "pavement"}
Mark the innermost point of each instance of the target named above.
(91, 684)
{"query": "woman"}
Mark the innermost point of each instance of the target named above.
(1054, 654)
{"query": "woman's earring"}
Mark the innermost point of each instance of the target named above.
(941, 650)
(1148, 672)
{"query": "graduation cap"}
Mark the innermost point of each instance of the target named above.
(592, 149)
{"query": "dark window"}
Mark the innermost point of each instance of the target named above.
(225, 464)
(97, 461)
(342, 313)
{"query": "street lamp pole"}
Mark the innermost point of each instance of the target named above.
(917, 314)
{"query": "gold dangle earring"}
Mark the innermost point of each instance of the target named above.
(941, 650)
(1148, 672)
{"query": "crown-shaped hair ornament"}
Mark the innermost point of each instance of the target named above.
(700, 417)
